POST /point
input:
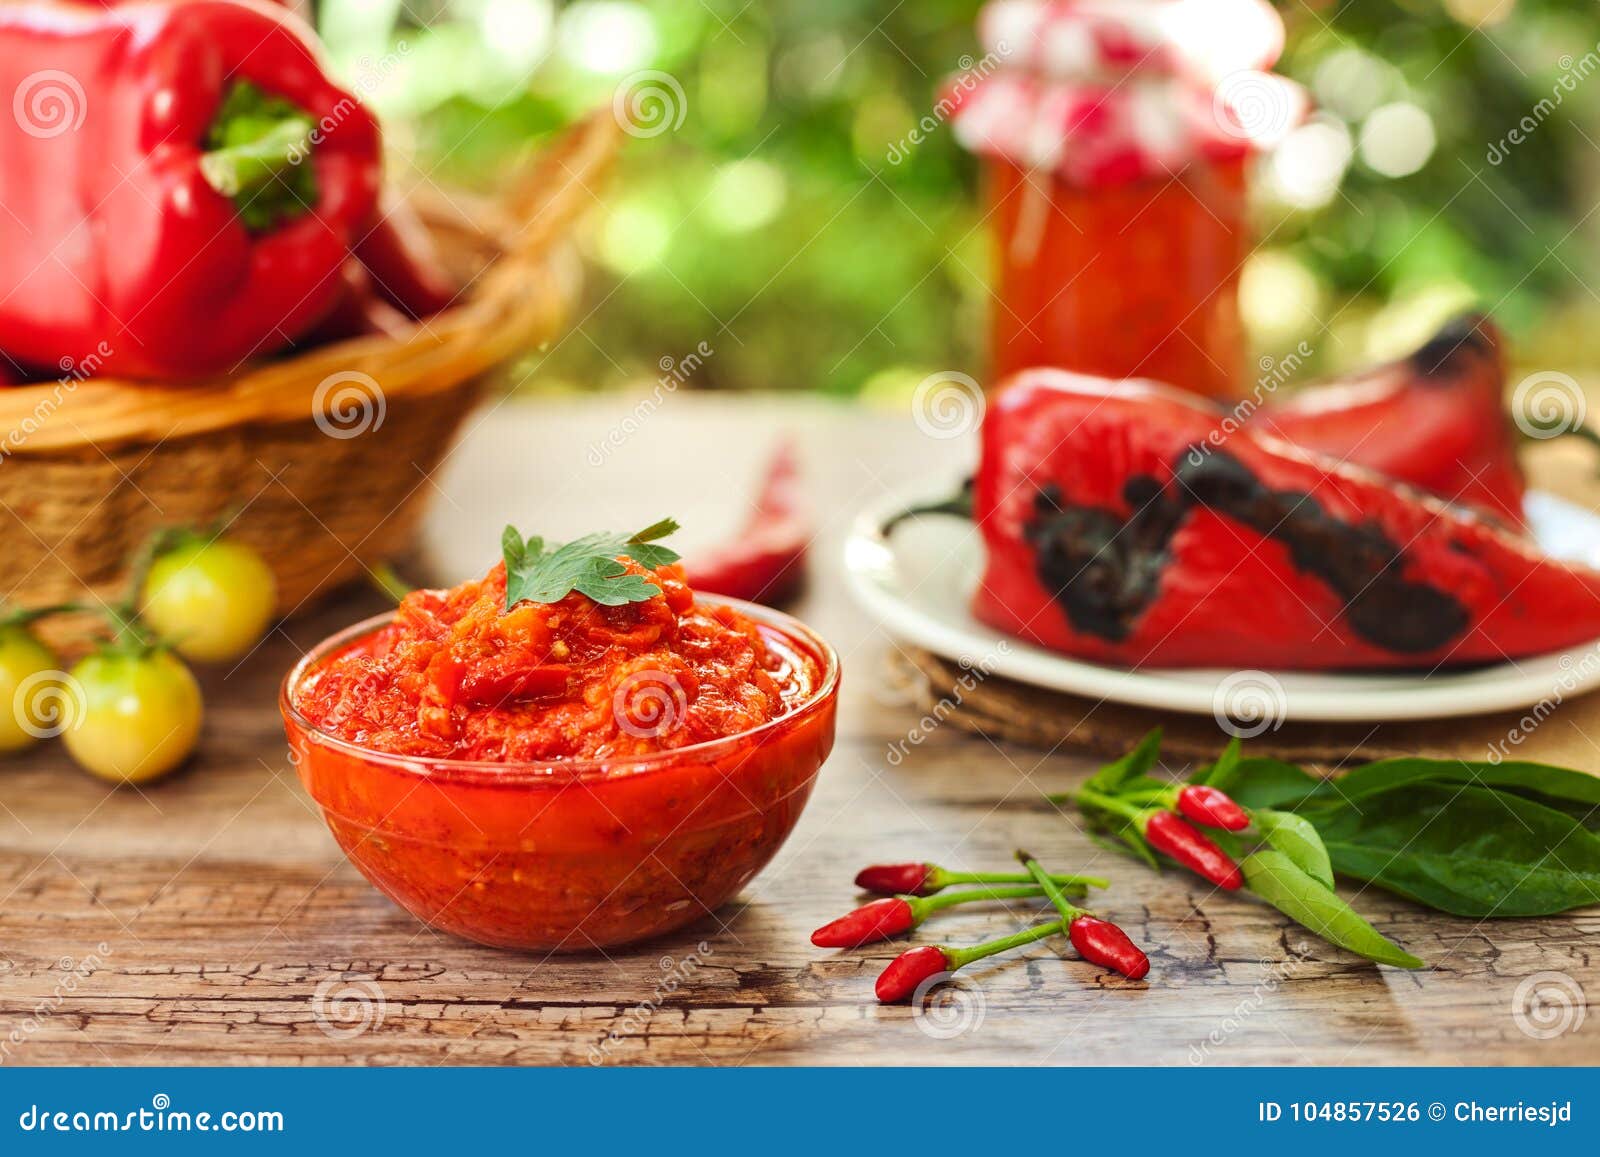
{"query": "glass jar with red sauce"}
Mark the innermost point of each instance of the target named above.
(1115, 156)
(566, 777)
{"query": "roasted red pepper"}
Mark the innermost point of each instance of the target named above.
(129, 121)
(1118, 530)
(766, 562)
(1436, 419)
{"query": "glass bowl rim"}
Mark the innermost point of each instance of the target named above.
(557, 773)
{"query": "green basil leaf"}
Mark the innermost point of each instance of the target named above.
(1111, 778)
(1469, 851)
(1280, 882)
(1547, 784)
(1297, 839)
(1257, 782)
(1221, 774)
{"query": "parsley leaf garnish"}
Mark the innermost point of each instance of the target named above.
(587, 565)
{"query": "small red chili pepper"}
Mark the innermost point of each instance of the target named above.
(1102, 942)
(882, 919)
(766, 562)
(909, 969)
(878, 920)
(1172, 836)
(913, 967)
(1208, 806)
(897, 879)
(926, 879)
(1097, 941)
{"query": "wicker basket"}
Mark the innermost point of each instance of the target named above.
(322, 458)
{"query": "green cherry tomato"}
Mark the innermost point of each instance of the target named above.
(31, 689)
(211, 599)
(134, 717)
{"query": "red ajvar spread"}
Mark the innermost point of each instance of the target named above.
(457, 676)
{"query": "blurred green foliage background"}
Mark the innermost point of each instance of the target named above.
(787, 221)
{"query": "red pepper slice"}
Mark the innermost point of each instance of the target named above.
(766, 562)
(113, 231)
(1436, 419)
(1119, 531)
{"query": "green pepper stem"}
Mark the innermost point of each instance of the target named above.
(241, 169)
(1069, 912)
(926, 905)
(1120, 807)
(940, 878)
(961, 957)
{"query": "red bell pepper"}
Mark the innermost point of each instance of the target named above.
(1119, 531)
(181, 181)
(766, 562)
(1436, 419)
(404, 264)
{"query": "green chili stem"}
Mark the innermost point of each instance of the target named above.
(1069, 911)
(929, 904)
(942, 878)
(1112, 804)
(961, 957)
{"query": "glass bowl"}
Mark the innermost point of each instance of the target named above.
(570, 855)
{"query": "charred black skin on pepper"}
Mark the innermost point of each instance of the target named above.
(1104, 570)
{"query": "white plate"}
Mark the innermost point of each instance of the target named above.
(919, 581)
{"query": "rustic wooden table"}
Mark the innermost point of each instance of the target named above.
(211, 920)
